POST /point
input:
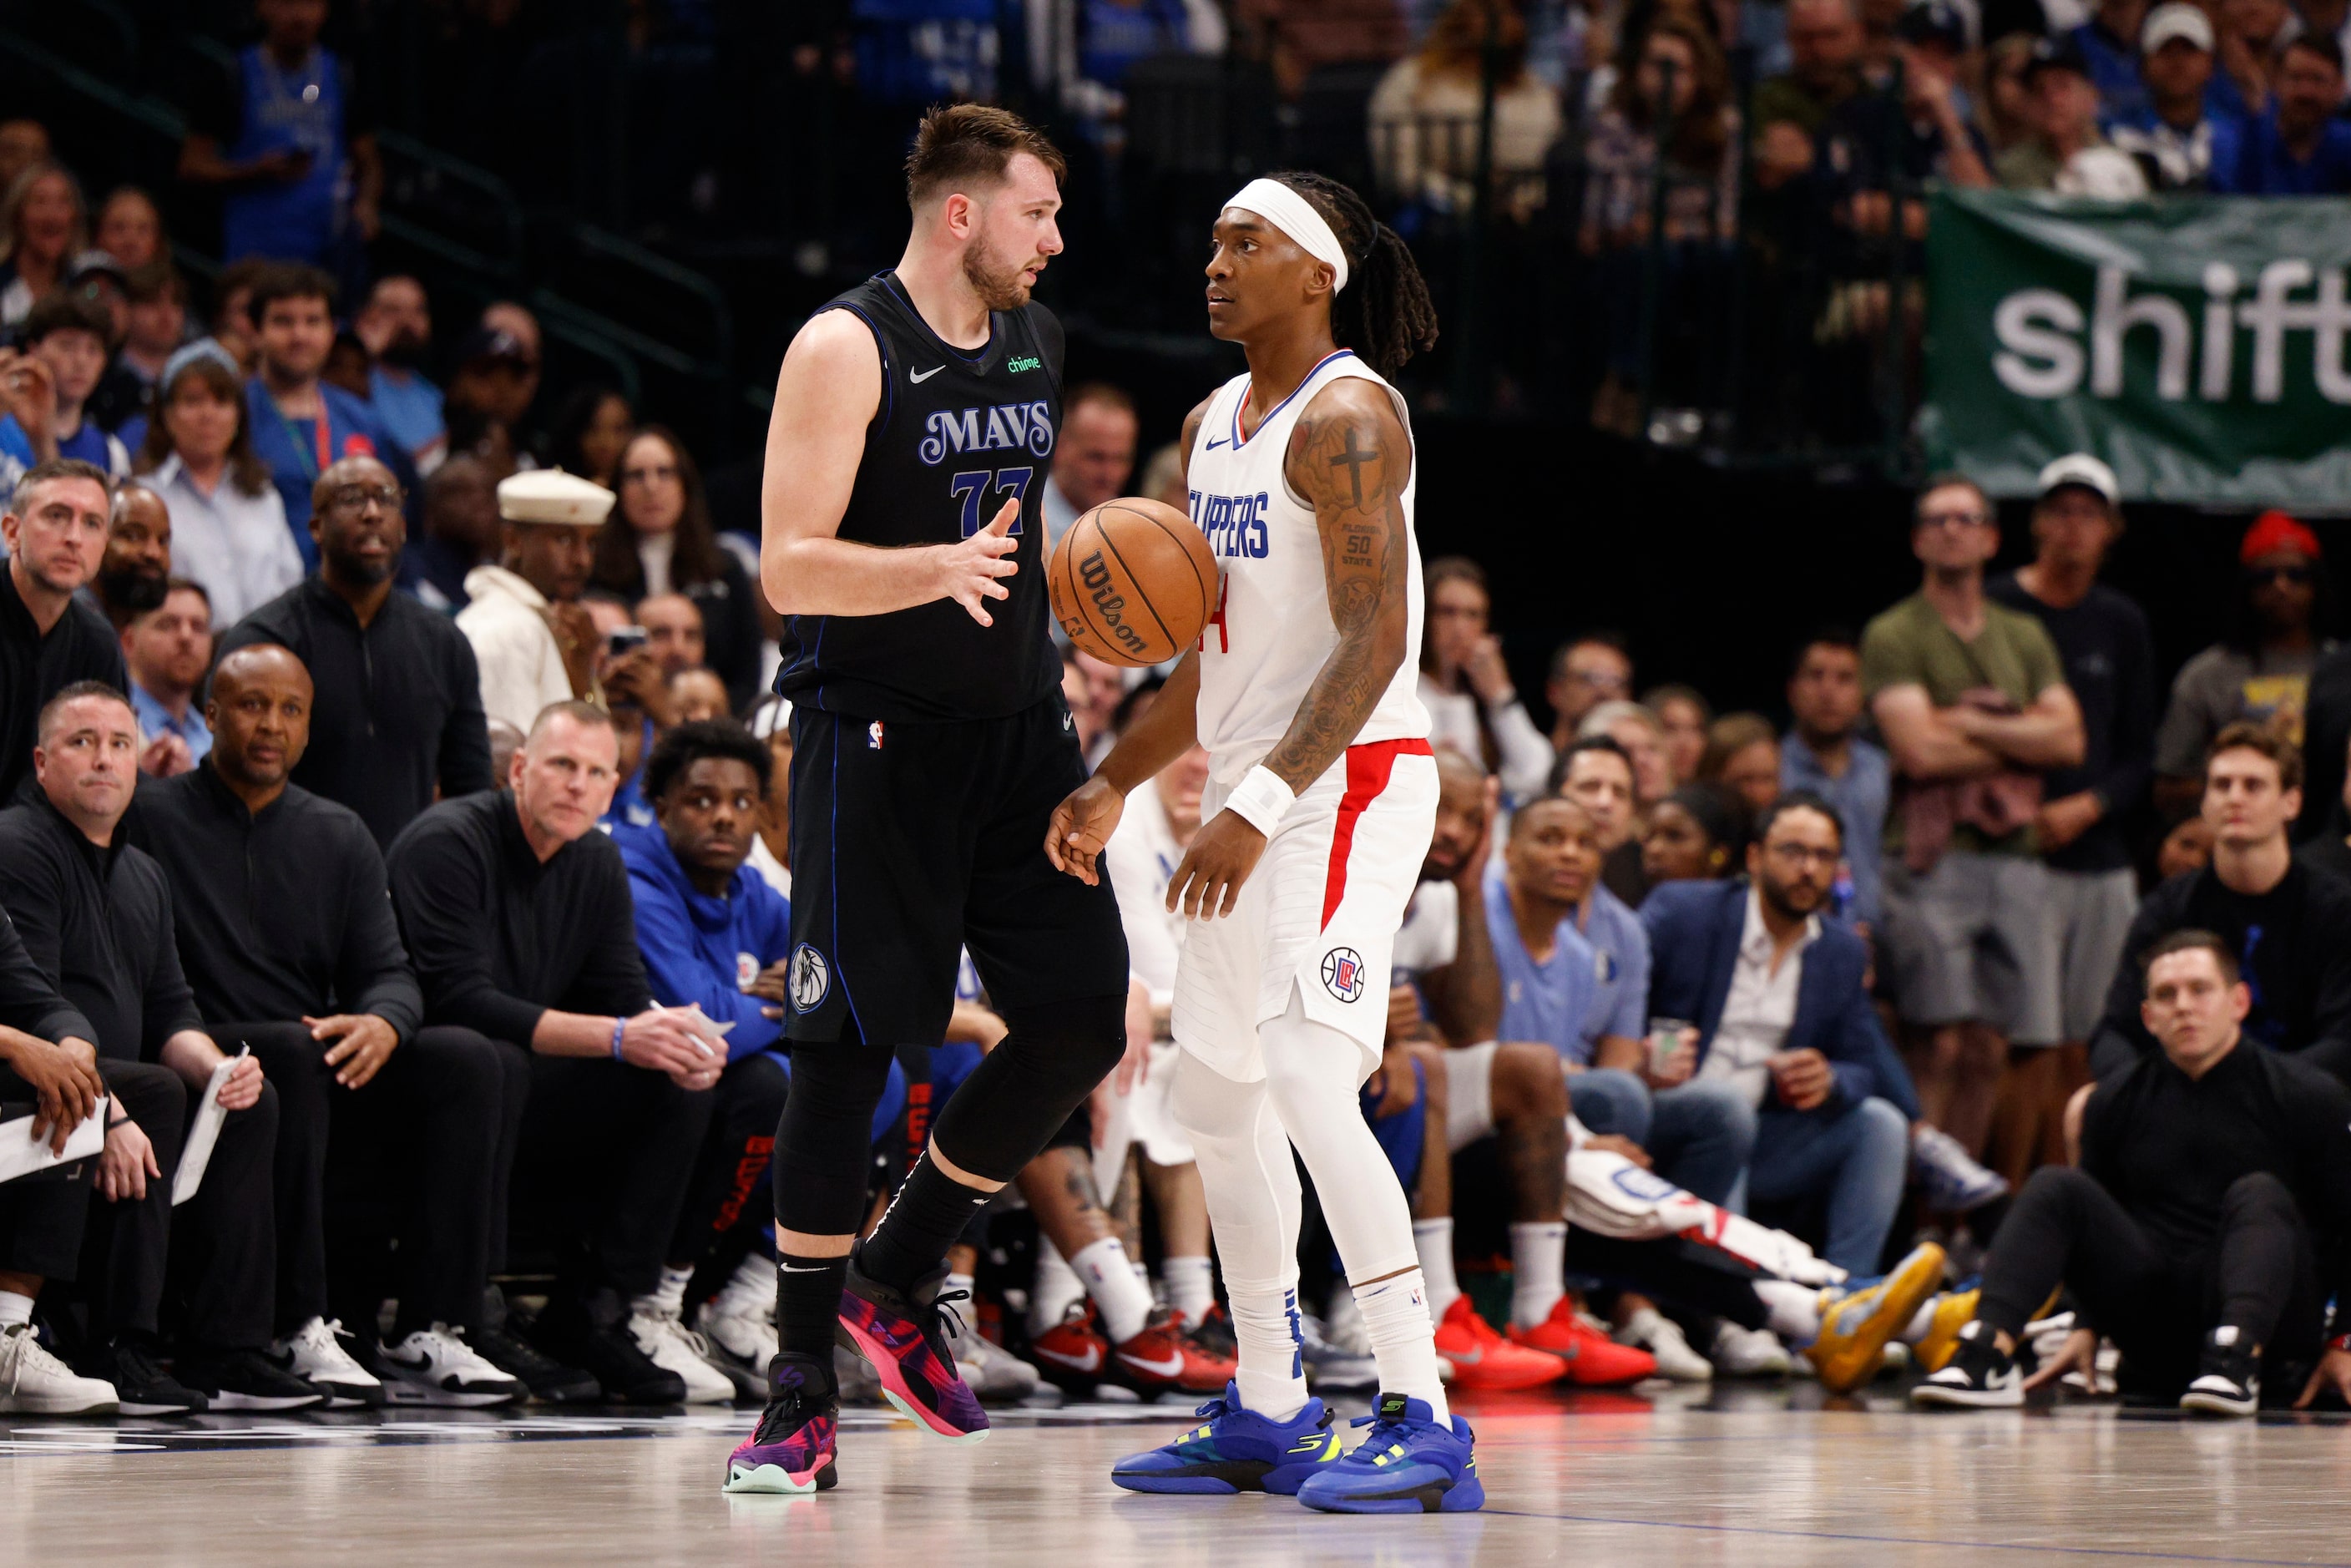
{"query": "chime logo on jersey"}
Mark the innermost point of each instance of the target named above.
(809, 979)
(1233, 525)
(1342, 973)
(1005, 427)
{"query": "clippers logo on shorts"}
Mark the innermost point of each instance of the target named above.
(1006, 427)
(1644, 1187)
(1342, 973)
(747, 971)
(1233, 525)
(809, 979)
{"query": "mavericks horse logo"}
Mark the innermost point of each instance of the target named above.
(810, 978)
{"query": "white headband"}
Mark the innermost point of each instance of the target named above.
(1294, 215)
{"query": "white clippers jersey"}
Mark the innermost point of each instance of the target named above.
(1272, 629)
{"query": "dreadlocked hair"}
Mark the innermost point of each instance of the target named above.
(1384, 313)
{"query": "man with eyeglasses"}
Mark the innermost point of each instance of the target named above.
(398, 707)
(1972, 700)
(1585, 672)
(2260, 669)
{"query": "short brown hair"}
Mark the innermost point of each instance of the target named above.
(1102, 394)
(2247, 736)
(1950, 479)
(972, 144)
(2191, 940)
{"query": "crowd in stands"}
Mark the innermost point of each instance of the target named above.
(385, 765)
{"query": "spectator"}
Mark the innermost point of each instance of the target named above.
(673, 632)
(399, 712)
(1784, 1019)
(2301, 147)
(2180, 144)
(2005, 113)
(697, 695)
(1597, 774)
(395, 326)
(1971, 698)
(300, 426)
(715, 936)
(137, 566)
(535, 643)
(291, 144)
(1094, 457)
(23, 143)
(636, 694)
(1163, 475)
(1637, 733)
(1428, 112)
(1473, 706)
(2110, 43)
(55, 531)
(2288, 928)
(2260, 670)
(2186, 848)
(347, 365)
(234, 327)
(1825, 49)
(156, 324)
(2330, 850)
(2252, 33)
(517, 914)
(460, 533)
(1695, 834)
(490, 390)
(660, 541)
(2067, 153)
(772, 854)
(1585, 672)
(94, 912)
(515, 321)
(1877, 143)
(2211, 1175)
(1298, 36)
(1742, 754)
(591, 430)
(1092, 689)
(1683, 714)
(1821, 752)
(228, 518)
(2109, 658)
(43, 224)
(65, 339)
(167, 651)
(130, 228)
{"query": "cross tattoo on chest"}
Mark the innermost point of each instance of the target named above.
(1352, 459)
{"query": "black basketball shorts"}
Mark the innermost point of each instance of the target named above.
(911, 841)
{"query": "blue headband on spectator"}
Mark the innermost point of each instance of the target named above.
(201, 349)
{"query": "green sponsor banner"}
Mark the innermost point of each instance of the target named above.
(2196, 343)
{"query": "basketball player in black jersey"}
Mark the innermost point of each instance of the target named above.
(914, 423)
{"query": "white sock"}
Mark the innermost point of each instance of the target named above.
(1433, 1240)
(1795, 1311)
(1191, 1286)
(1538, 1270)
(1122, 1301)
(1404, 1341)
(668, 1297)
(1057, 1290)
(1272, 1375)
(750, 1292)
(16, 1310)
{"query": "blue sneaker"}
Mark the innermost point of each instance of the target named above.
(1236, 1450)
(1409, 1464)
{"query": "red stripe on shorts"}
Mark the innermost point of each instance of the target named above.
(1368, 767)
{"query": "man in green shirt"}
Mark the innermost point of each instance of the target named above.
(1971, 698)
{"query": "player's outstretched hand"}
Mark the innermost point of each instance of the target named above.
(1082, 825)
(975, 565)
(1223, 852)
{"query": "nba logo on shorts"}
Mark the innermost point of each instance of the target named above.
(1342, 973)
(808, 977)
(873, 735)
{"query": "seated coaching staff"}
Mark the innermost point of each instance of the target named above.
(285, 926)
(515, 912)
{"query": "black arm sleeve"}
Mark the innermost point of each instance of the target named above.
(442, 896)
(465, 767)
(372, 973)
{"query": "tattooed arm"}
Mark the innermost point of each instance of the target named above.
(1350, 458)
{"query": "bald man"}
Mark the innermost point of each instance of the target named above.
(399, 710)
(285, 926)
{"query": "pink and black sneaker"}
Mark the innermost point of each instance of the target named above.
(902, 1335)
(791, 1451)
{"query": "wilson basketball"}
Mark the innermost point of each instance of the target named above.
(1133, 581)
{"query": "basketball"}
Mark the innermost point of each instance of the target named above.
(1133, 581)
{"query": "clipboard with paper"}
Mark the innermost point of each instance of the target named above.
(196, 1153)
(23, 1155)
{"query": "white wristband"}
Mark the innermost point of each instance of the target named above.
(1260, 799)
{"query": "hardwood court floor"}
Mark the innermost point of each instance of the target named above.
(1743, 1479)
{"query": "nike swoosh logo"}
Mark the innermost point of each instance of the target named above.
(919, 377)
(1086, 1363)
(1465, 1358)
(1173, 1366)
(1212, 445)
(788, 1269)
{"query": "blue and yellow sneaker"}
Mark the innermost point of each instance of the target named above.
(1409, 1464)
(1236, 1450)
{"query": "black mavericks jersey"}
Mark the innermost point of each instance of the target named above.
(956, 436)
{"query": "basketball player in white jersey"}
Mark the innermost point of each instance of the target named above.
(1321, 796)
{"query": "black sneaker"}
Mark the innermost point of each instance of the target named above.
(1978, 1377)
(244, 1380)
(2229, 1382)
(592, 1332)
(547, 1378)
(141, 1387)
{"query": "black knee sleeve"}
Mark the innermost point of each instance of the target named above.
(1027, 1087)
(826, 1138)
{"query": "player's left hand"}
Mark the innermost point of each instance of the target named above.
(1223, 852)
(358, 1044)
(1082, 825)
(2333, 1371)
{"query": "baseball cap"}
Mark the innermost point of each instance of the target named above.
(93, 263)
(551, 495)
(2061, 54)
(2277, 531)
(2176, 20)
(494, 344)
(2080, 468)
(1933, 22)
